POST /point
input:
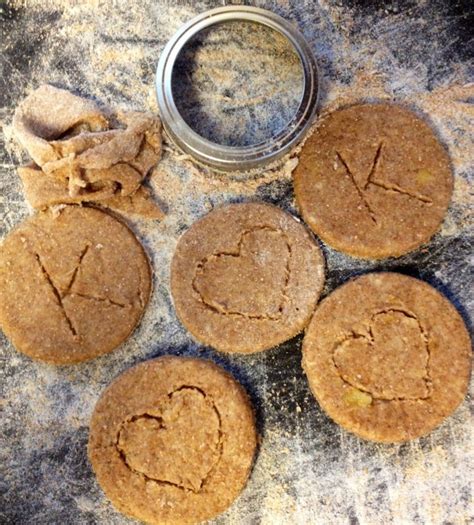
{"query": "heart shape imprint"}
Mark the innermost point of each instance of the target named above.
(390, 361)
(252, 280)
(179, 444)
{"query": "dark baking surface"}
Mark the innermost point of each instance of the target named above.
(308, 469)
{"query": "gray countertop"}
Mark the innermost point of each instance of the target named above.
(308, 470)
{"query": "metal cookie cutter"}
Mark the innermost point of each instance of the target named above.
(231, 158)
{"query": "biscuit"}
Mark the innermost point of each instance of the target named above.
(387, 357)
(246, 277)
(172, 441)
(73, 284)
(373, 181)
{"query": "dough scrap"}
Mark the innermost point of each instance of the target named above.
(78, 158)
(47, 114)
(43, 191)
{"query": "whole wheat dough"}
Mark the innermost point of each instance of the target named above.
(246, 277)
(43, 191)
(73, 284)
(373, 181)
(172, 441)
(79, 158)
(387, 357)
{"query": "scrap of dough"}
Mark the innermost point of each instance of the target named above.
(81, 160)
(125, 179)
(47, 114)
(43, 191)
(103, 150)
(124, 146)
(139, 203)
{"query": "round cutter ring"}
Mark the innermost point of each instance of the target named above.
(233, 158)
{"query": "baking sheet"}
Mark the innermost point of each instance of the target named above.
(308, 470)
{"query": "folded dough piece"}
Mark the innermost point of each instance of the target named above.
(43, 190)
(139, 203)
(50, 113)
(103, 150)
(124, 178)
(79, 159)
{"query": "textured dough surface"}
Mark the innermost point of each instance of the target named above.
(246, 277)
(172, 441)
(387, 357)
(80, 159)
(373, 181)
(43, 191)
(73, 284)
